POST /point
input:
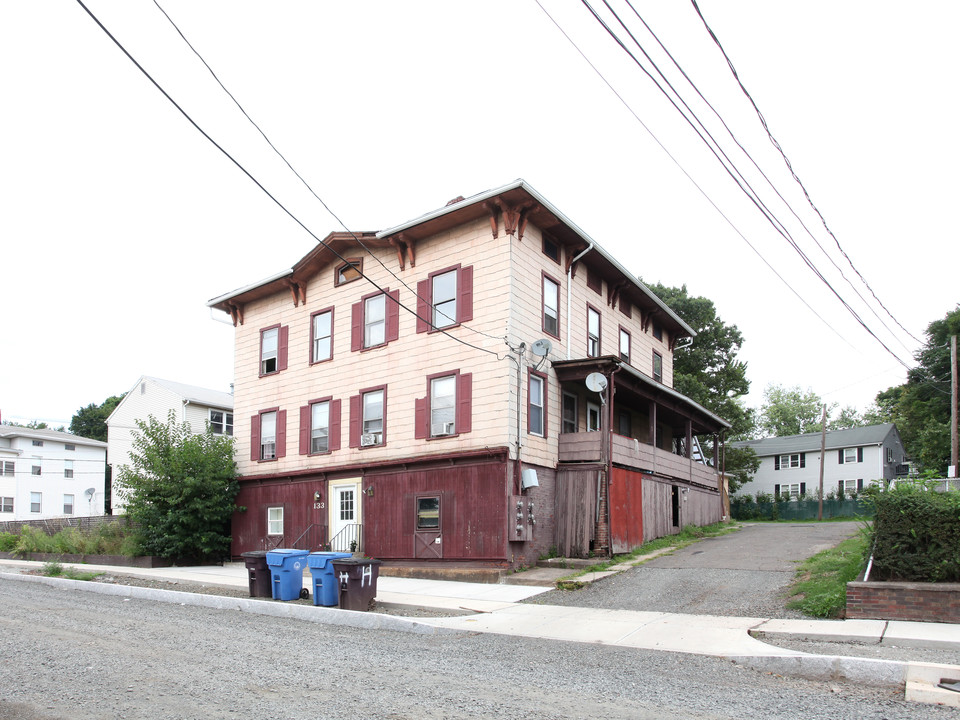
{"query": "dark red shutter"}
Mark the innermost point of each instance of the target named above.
(424, 302)
(776, 462)
(803, 459)
(284, 335)
(859, 454)
(304, 429)
(840, 456)
(334, 440)
(859, 484)
(356, 326)
(465, 293)
(840, 488)
(465, 403)
(355, 421)
(776, 492)
(803, 488)
(281, 433)
(255, 438)
(421, 421)
(393, 316)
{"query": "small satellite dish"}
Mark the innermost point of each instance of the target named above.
(540, 348)
(90, 492)
(596, 382)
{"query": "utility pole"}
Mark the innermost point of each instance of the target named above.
(823, 452)
(954, 460)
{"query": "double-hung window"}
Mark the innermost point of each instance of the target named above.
(851, 455)
(6, 468)
(657, 367)
(68, 468)
(444, 296)
(445, 299)
(372, 423)
(6, 504)
(37, 467)
(624, 346)
(593, 417)
(784, 462)
(274, 521)
(593, 333)
(443, 410)
(374, 320)
(221, 423)
(446, 409)
(68, 504)
(269, 350)
(320, 427)
(569, 413)
(268, 435)
(321, 336)
(36, 502)
(551, 306)
(537, 404)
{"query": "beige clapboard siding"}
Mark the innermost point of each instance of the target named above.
(402, 365)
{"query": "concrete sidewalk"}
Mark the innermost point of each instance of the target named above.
(494, 609)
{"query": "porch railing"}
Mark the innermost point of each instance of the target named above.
(349, 539)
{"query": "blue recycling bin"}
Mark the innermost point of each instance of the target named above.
(286, 573)
(326, 586)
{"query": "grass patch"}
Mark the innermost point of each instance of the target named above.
(820, 588)
(689, 535)
(55, 569)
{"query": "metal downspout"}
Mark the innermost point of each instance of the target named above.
(569, 283)
(608, 441)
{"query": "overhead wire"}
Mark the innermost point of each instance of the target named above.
(307, 185)
(689, 177)
(759, 169)
(789, 165)
(768, 215)
(261, 186)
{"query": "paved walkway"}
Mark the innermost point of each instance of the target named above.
(495, 609)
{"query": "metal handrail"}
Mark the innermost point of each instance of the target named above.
(349, 539)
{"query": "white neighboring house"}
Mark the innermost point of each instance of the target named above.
(196, 406)
(855, 459)
(50, 474)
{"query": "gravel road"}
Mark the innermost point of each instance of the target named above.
(69, 654)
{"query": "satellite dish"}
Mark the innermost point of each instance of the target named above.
(596, 382)
(540, 348)
(90, 492)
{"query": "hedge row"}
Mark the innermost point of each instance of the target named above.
(916, 536)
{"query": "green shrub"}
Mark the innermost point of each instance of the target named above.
(8, 542)
(916, 535)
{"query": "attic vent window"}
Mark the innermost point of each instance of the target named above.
(551, 249)
(349, 271)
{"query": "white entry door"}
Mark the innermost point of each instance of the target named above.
(345, 516)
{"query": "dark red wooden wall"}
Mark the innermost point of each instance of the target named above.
(626, 510)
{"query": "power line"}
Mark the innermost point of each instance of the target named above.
(768, 215)
(355, 236)
(786, 160)
(687, 174)
(259, 185)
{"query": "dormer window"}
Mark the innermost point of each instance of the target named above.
(349, 271)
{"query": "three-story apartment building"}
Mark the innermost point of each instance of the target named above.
(476, 385)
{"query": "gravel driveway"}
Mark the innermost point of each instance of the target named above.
(744, 573)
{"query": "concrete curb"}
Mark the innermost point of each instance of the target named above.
(864, 671)
(307, 613)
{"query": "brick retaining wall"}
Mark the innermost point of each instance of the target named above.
(926, 602)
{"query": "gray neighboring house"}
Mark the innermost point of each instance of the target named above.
(855, 459)
(194, 405)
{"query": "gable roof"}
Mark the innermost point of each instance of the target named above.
(192, 393)
(12, 431)
(810, 442)
(517, 199)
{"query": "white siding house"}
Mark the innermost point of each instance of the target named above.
(854, 459)
(152, 396)
(49, 474)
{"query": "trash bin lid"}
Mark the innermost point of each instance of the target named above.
(321, 559)
(254, 554)
(276, 557)
(356, 561)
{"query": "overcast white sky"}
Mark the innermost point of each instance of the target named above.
(119, 221)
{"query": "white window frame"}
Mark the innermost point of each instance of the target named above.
(593, 411)
(68, 506)
(320, 427)
(849, 486)
(223, 425)
(444, 303)
(7, 468)
(443, 405)
(789, 461)
(568, 424)
(373, 414)
(68, 468)
(624, 343)
(792, 489)
(375, 321)
(268, 435)
(593, 333)
(6, 504)
(322, 348)
(36, 502)
(849, 456)
(270, 351)
(36, 467)
(657, 367)
(69, 446)
(535, 404)
(551, 306)
(275, 520)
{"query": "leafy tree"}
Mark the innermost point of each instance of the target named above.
(33, 425)
(740, 464)
(790, 411)
(921, 406)
(848, 417)
(180, 490)
(708, 371)
(91, 421)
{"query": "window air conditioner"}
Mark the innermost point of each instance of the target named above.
(447, 428)
(368, 439)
